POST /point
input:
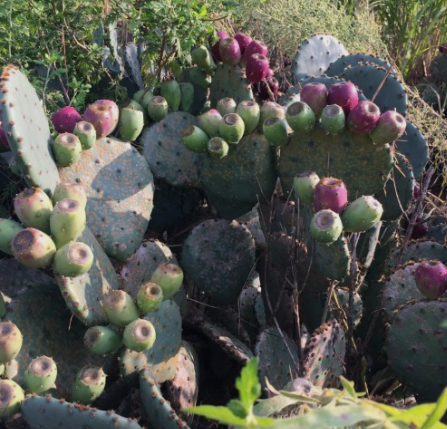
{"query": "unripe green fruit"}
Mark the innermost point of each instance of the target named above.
(102, 340)
(361, 214)
(157, 108)
(169, 277)
(149, 297)
(86, 134)
(73, 259)
(304, 185)
(11, 341)
(120, 308)
(232, 128)
(89, 384)
(300, 117)
(139, 335)
(11, 396)
(40, 375)
(195, 139)
(326, 226)
(67, 149)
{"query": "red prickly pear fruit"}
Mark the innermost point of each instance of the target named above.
(330, 193)
(390, 127)
(270, 73)
(431, 279)
(65, 119)
(4, 145)
(344, 94)
(114, 107)
(363, 117)
(269, 85)
(315, 95)
(215, 49)
(244, 40)
(420, 229)
(257, 68)
(230, 51)
(255, 47)
(102, 118)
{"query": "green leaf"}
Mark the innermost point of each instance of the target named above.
(222, 414)
(438, 411)
(248, 385)
(237, 408)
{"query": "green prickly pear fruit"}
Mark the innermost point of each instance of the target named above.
(67, 149)
(86, 133)
(226, 105)
(131, 123)
(304, 185)
(73, 259)
(11, 341)
(33, 248)
(8, 230)
(149, 297)
(102, 340)
(199, 78)
(218, 148)
(157, 108)
(120, 308)
(195, 139)
(232, 128)
(275, 131)
(210, 121)
(72, 191)
(300, 117)
(67, 222)
(169, 277)
(132, 104)
(11, 395)
(361, 214)
(326, 226)
(33, 207)
(250, 112)
(270, 109)
(333, 119)
(40, 375)
(187, 98)
(170, 91)
(201, 56)
(139, 335)
(89, 384)
(143, 97)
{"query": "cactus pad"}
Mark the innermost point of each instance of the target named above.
(228, 208)
(351, 60)
(339, 313)
(120, 190)
(333, 261)
(200, 93)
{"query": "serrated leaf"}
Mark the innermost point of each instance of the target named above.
(248, 385)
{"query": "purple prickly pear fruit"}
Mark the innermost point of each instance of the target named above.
(344, 94)
(114, 107)
(244, 40)
(270, 73)
(65, 119)
(431, 279)
(4, 145)
(33, 248)
(333, 119)
(257, 68)
(33, 207)
(315, 95)
(215, 51)
(330, 193)
(363, 117)
(255, 47)
(230, 51)
(420, 229)
(102, 118)
(390, 127)
(209, 122)
(268, 87)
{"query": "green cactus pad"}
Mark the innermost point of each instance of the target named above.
(368, 77)
(83, 294)
(246, 307)
(437, 229)
(397, 193)
(246, 174)
(120, 190)
(417, 347)
(275, 362)
(219, 270)
(353, 158)
(315, 54)
(414, 146)
(337, 67)
(27, 130)
(46, 412)
(333, 261)
(229, 82)
(199, 96)
(325, 355)
(342, 295)
(162, 357)
(228, 208)
(167, 156)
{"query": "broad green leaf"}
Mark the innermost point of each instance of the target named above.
(267, 407)
(248, 384)
(438, 412)
(222, 414)
(237, 408)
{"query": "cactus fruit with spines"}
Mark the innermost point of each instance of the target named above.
(86, 134)
(8, 229)
(65, 119)
(40, 374)
(67, 149)
(102, 340)
(33, 207)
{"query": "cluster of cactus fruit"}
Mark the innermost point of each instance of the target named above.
(346, 165)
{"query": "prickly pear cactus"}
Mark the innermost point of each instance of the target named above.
(333, 261)
(337, 67)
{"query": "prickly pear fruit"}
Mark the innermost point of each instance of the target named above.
(330, 193)
(199, 77)
(431, 279)
(67, 222)
(215, 49)
(33, 248)
(170, 91)
(226, 105)
(257, 68)
(304, 186)
(40, 375)
(230, 51)
(390, 127)
(209, 122)
(344, 94)
(244, 40)
(255, 47)
(195, 139)
(8, 230)
(149, 297)
(270, 109)
(314, 94)
(218, 147)
(362, 214)
(120, 308)
(201, 56)
(102, 340)
(131, 124)
(268, 87)
(102, 117)
(86, 134)
(326, 226)
(300, 117)
(72, 191)
(363, 117)
(250, 112)
(67, 149)
(33, 207)
(11, 341)
(89, 384)
(187, 98)
(142, 97)
(139, 335)
(65, 119)
(12, 396)
(232, 128)
(114, 108)
(275, 131)
(132, 104)
(157, 108)
(169, 277)
(333, 119)
(73, 259)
